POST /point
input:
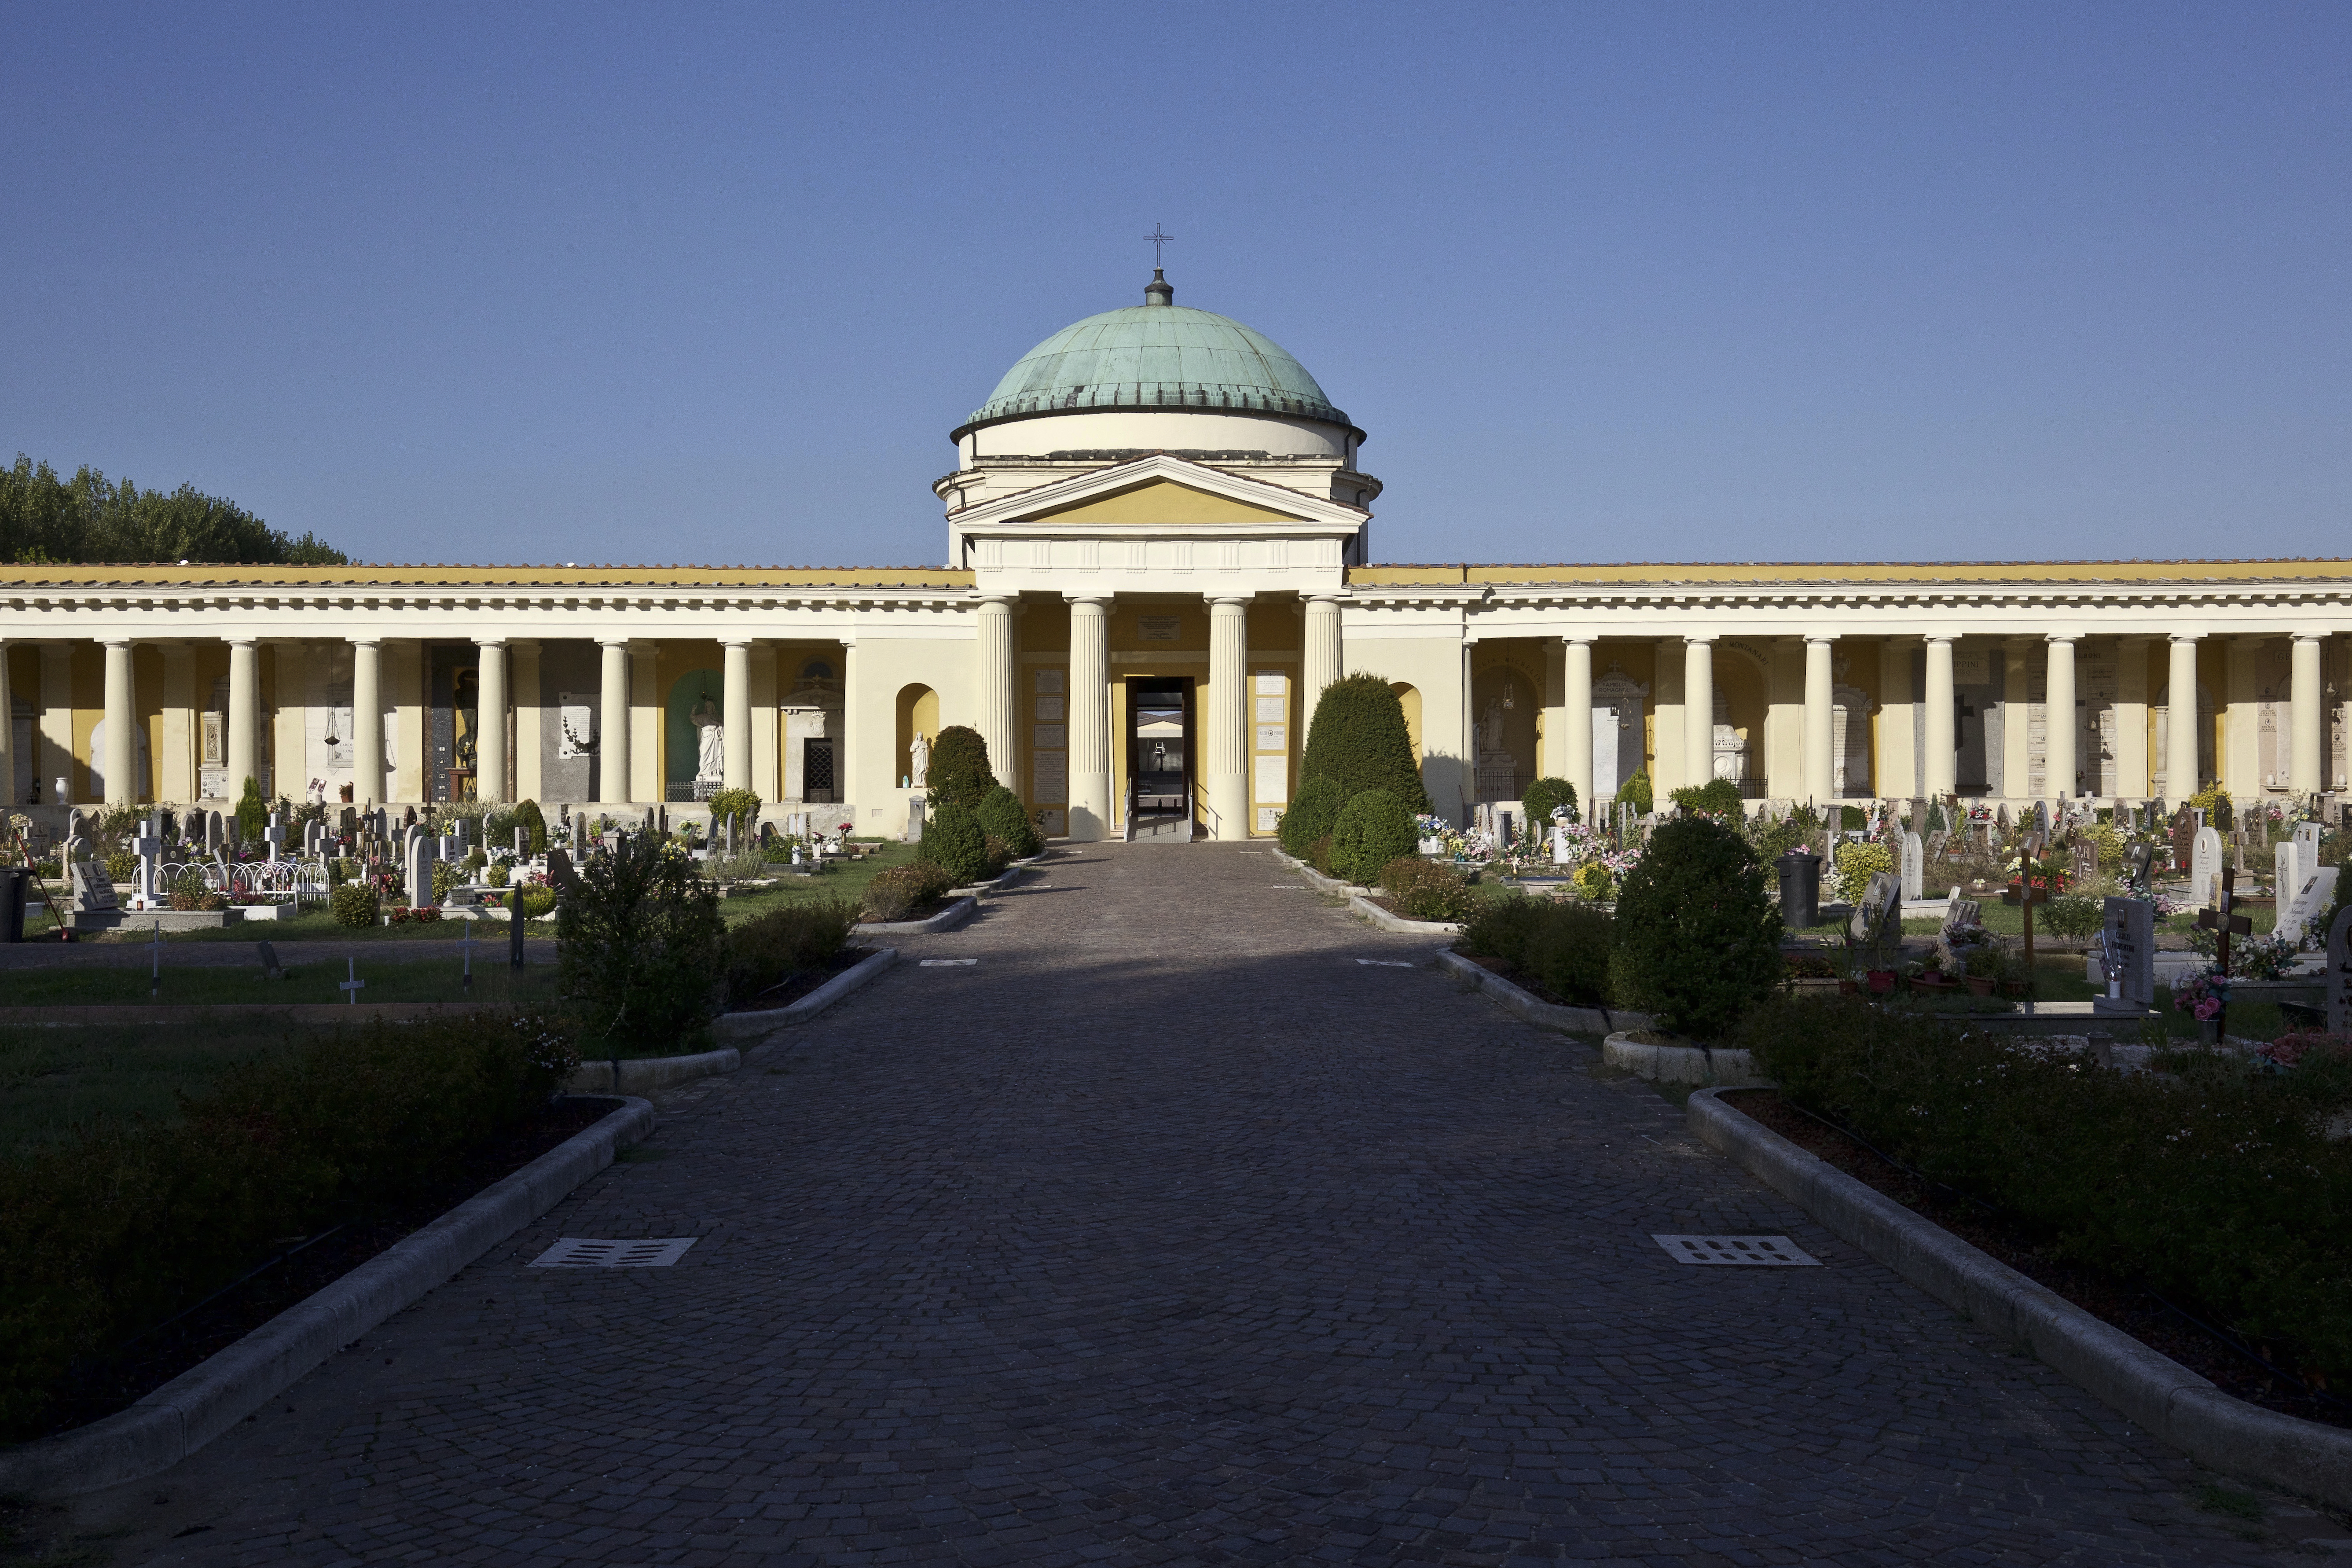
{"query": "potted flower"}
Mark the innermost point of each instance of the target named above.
(2203, 996)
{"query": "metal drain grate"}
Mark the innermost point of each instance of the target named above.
(1749, 1251)
(1384, 964)
(587, 1252)
(948, 963)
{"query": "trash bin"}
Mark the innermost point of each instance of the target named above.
(1801, 888)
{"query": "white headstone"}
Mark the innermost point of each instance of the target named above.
(2306, 850)
(2313, 898)
(1915, 866)
(418, 867)
(148, 848)
(1878, 918)
(2130, 938)
(89, 888)
(1559, 855)
(2339, 973)
(2205, 867)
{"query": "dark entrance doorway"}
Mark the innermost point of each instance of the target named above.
(1160, 755)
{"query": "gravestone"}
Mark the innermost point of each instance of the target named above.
(148, 848)
(2313, 898)
(88, 890)
(522, 843)
(1919, 814)
(1936, 841)
(914, 822)
(2306, 850)
(271, 968)
(215, 833)
(2139, 861)
(2339, 973)
(1877, 922)
(1915, 866)
(2041, 816)
(2286, 875)
(559, 874)
(2204, 866)
(2129, 935)
(417, 867)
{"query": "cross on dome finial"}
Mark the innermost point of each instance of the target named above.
(1157, 239)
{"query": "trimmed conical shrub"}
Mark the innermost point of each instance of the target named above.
(959, 774)
(1698, 941)
(1359, 739)
(1311, 817)
(1373, 830)
(1002, 817)
(954, 841)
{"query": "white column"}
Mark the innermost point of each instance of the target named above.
(1942, 744)
(121, 752)
(735, 718)
(367, 721)
(2058, 731)
(7, 735)
(1228, 715)
(2310, 754)
(244, 716)
(1322, 661)
(613, 722)
(1698, 710)
(1089, 713)
(491, 720)
(1576, 704)
(2180, 760)
(996, 706)
(1820, 736)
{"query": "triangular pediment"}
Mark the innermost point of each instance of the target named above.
(1164, 502)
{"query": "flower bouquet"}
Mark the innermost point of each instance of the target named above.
(2201, 996)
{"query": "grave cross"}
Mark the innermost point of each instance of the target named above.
(148, 848)
(352, 987)
(2224, 925)
(155, 963)
(2029, 895)
(274, 835)
(465, 946)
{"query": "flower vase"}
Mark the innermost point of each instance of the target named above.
(2209, 1031)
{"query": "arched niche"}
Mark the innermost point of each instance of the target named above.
(918, 712)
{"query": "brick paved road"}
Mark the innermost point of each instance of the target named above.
(1170, 1232)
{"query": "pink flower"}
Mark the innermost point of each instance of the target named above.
(2206, 1008)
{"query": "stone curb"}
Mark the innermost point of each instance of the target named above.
(1544, 1015)
(643, 1075)
(2184, 1410)
(947, 919)
(1362, 904)
(1317, 880)
(208, 1399)
(1703, 1065)
(753, 1026)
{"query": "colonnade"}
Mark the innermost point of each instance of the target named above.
(2307, 766)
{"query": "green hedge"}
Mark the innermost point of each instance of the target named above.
(1359, 738)
(2212, 1182)
(1373, 830)
(897, 892)
(954, 841)
(1561, 946)
(768, 949)
(641, 958)
(1699, 942)
(1423, 890)
(1003, 817)
(124, 1224)
(1311, 817)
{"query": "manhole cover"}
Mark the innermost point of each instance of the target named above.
(1749, 1252)
(587, 1252)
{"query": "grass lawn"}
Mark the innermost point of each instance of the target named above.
(835, 881)
(388, 980)
(51, 1078)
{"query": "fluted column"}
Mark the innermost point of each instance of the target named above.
(1228, 716)
(244, 716)
(1576, 707)
(491, 720)
(2131, 719)
(2308, 758)
(1698, 710)
(2181, 748)
(1089, 712)
(735, 718)
(613, 722)
(367, 721)
(997, 710)
(2058, 760)
(1323, 654)
(1942, 745)
(1821, 732)
(121, 751)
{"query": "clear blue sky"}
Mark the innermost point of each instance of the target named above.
(1640, 283)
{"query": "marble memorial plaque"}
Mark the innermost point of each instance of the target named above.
(2312, 900)
(1051, 737)
(1269, 709)
(1051, 780)
(1270, 682)
(2129, 933)
(1915, 866)
(2204, 866)
(1049, 683)
(1270, 737)
(1157, 629)
(1049, 709)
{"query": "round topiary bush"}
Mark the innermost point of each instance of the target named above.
(352, 904)
(529, 817)
(1697, 941)
(533, 900)
(1359, 738)
(1635, 792)
(902, 890)
(954, 841)
(1543, 797)
(1374, 828)
(1311, 817)
(959, 774)
(1717, 797)
(1002, 817)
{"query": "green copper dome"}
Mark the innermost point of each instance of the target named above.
(1156, 355)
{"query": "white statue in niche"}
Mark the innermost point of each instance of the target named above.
(919, 761)
(712, 755)
(1490, 727)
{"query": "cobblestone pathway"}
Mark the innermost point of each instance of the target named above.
(1170, 1232)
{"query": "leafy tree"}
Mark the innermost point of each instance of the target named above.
(1542, 797)
(643, 947)
(1373, 830)
(727, 803)
(954, 841)
(91, 518)
(1004, 818)
(1311, 817)
(1697, 941)
(959, 774)
(1359, 738)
